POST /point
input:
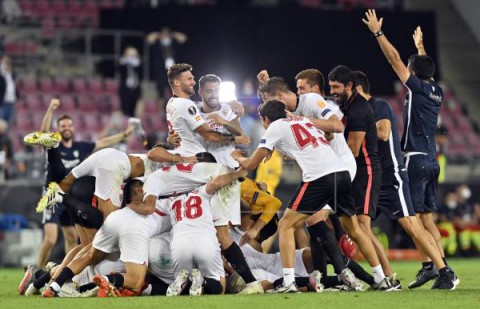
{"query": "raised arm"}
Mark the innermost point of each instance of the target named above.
(47, 118)
(114, 139)
(388, 49)
(418, 40)
(251, 163)
(221, 181)
(160, 154)
(332, 124)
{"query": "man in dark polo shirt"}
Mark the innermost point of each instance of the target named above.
(394, 199)
(422, 107)
(361, 135)
(60, 161)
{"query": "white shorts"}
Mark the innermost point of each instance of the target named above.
(272, 263)
(263, 275)
(110, 168)
(128, 232)
(160, 262)
(201, 251)
(105, 267)
(225, 205)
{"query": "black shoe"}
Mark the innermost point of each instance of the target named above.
(423, 276)
(383, 285)
(394, 282)
(447, 280)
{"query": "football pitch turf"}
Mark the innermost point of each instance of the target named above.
(467, 295)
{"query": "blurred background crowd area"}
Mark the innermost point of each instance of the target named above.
(106, 60)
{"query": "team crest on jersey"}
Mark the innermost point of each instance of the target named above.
(321, 103)
(192, 110)
(76, 154)
(198, 118)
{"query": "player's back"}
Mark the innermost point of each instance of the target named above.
(180, 178)
(183, 118)
(420, 116)
(302, 141)
(190, 213)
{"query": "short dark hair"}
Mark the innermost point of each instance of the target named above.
(313, 77)
(176, 69)
(128, 190)
(341, 74)
(205, 157)
(423, 66)
(274, 85)
(209, 78)
(63, 117)
(272, 109)
(361, 79)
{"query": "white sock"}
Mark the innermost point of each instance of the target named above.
(55, 287)
(288, 276)
(59, 197)
(147, 291)
(378, 274)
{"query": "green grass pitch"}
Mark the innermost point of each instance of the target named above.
(467, 295)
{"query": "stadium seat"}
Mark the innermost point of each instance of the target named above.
(111, 86)
(95, 86)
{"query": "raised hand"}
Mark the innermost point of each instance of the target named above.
(371, 20)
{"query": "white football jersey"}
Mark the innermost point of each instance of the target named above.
(183, 118)
(181, 178)
(221, 151)
(313, 105)
(301, 140)
(190, 213)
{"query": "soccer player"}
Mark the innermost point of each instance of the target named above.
(361, 135)
(325, 178)
(61, 160)
(184, 118)
(183, 178)
(422, 107)
(325, 117)
(220, 117)
(194, 245)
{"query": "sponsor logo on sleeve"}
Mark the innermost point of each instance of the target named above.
(263, 141)
(192, 110)
(326, 111)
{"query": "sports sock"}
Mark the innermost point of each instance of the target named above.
(330, 281)
(378, 274)
(87, 287)
(337, 226)
(288, 276)
(40, 282)
(65, 275)
(359, 272)
(235, 257)
(319, 258)
(428, 265)
(39, 273)
(56, 169)
(212, 286)
(116, 279)
(324, 236)
(444, 260)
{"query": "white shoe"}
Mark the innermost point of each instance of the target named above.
(31, 290)
(176, 287)
(292, 288)
(314, 279)
(69, 289)
(349, 279)
(197, 282)
(254, 287)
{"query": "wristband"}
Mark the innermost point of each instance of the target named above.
(378, 33)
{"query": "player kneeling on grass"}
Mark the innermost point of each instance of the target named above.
(195, 247)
